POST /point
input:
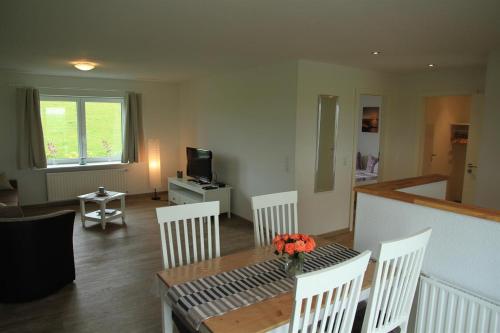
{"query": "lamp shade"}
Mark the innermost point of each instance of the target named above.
(154, 163)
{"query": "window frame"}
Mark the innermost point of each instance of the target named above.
(82, 126)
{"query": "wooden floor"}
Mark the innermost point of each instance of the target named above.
(115, 271)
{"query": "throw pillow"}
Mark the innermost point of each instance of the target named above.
(359, 163)
(4, 183)
(370, 164)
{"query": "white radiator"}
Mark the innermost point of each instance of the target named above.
(443, 307)
(68, 185)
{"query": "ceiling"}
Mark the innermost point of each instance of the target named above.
(171, 40)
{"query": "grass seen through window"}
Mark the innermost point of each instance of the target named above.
(100, 131)
(60, 129)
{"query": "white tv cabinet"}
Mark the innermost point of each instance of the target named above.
(181, 192)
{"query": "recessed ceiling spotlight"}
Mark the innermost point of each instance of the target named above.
(430, 65)
(375, 52)
(84, 65)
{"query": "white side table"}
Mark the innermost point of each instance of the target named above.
(100, 215)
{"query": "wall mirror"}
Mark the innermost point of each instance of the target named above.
(328, 110)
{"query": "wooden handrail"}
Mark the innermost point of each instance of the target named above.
(390, 189)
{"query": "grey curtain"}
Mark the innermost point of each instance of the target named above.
(133, 145)
(30, 146)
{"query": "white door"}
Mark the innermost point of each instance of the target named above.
(471, 167)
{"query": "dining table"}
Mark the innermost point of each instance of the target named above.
(270, 314)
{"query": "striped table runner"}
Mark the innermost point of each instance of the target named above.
(217, 294)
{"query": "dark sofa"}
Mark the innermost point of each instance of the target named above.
(36, 255)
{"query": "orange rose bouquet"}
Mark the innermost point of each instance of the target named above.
(294, 247)
(293, 244)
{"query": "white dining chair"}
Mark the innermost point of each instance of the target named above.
(274, 214)
(326, 300)
(195, 230)
(395, 279)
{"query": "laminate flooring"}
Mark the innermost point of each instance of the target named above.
(115, 272)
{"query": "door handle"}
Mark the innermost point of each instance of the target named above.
(470, 166)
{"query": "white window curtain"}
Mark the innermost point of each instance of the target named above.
(133, 145)
(30, 146)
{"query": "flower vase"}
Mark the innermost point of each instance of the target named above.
(294, 265)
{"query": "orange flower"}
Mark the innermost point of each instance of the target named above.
(279, 245)
(300, 246)
(276, 239)
(305, 238)
(290, 248)
(285, 237)
(313, 242)
(310, 246)
(295, 236)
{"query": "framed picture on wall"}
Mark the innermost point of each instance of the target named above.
(370, 119)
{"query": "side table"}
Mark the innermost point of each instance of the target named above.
(100, 214)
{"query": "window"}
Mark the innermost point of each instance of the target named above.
(82, 129)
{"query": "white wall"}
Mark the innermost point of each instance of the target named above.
(329, 211)
(462, 249)
(488, 175)
(247, 119)
(368, 143)
(435, 190)
(160, 121)
(403, 125)
(261, 125)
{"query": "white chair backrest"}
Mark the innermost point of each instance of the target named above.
(326, 300)
(187, 227)
(274, 214)
(395, 280)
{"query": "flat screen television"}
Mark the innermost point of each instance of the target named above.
(199, 164)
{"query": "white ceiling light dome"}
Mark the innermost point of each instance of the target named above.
(84, 65)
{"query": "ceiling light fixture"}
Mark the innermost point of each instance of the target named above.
(430, 65)
(376, 52)
(84, 66)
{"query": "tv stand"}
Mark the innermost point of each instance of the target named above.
(183, 191)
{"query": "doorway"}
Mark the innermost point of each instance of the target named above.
(367, 164)
(368, 140)
(447, 127)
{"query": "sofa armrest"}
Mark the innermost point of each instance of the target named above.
(37, 217)
(10, 212)
(36, 246)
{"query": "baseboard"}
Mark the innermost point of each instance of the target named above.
(237, 216)
(334, 233)
(52, 204)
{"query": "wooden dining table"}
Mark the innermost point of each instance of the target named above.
(260, 317)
